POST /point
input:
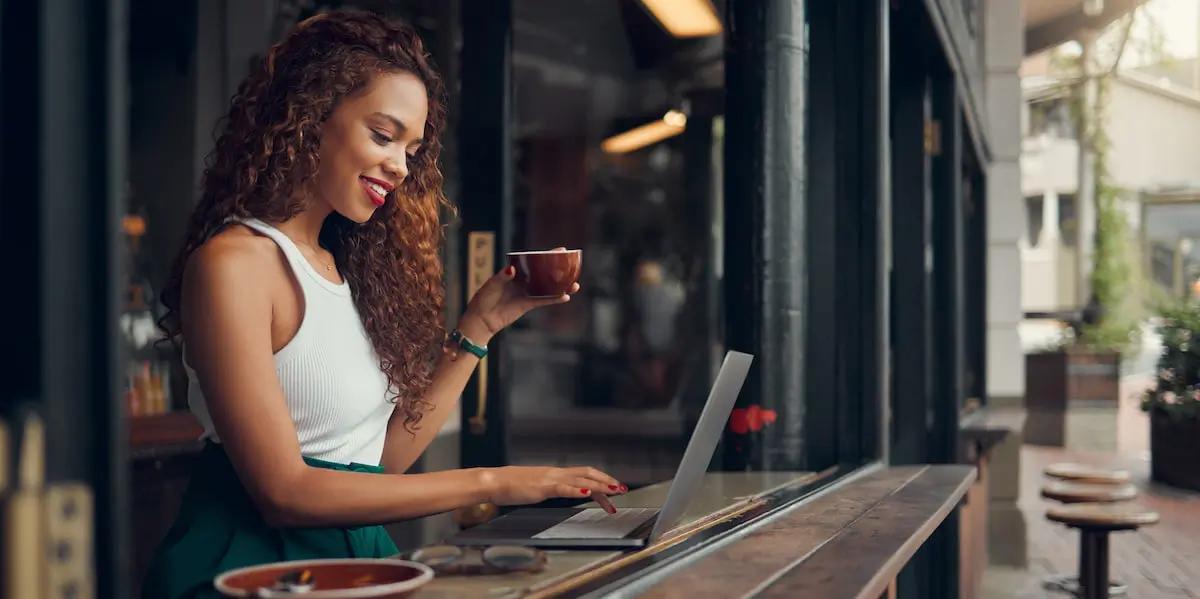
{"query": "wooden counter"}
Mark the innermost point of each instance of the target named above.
(567, 571)
(847, 541)
(164, 435)
(981, 431)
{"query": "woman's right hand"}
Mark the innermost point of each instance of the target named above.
(499, 303)
(523, 485)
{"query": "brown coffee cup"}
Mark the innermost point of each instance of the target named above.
(546, 273)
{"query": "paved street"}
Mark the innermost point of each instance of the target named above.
(1161, 561)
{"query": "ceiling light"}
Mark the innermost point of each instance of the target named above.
(671, 124)
(685, 18)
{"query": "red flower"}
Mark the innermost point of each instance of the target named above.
(753, 418)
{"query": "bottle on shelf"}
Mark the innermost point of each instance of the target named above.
(148, 375)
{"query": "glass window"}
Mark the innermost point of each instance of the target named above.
(1068, 224)
(1033, 219)
(1171, 230)
(1051, 118)
(618, 359)
(1162, 263)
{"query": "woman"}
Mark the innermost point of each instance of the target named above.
(308, 297)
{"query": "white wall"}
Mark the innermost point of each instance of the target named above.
(1154, 140)
(1049, 164)
(1004, 52)
(1155, 136)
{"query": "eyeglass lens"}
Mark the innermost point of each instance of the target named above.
(438, 555)
(510, 558)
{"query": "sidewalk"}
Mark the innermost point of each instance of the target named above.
(1161, 561)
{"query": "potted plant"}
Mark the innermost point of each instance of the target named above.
(1173, 403)
(1081, 376)
(1078, 374)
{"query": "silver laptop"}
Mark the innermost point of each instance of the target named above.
(586, 528)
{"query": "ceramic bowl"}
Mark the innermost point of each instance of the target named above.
(331, 578)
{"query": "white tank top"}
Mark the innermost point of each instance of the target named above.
(329, 371)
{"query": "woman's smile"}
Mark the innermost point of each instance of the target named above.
(376, 189)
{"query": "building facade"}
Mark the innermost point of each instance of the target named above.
(1145, 112)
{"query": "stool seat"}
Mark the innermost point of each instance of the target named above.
(1086, 473)
(1103, 516)
(1082, 492)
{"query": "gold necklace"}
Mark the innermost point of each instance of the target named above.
(315, 256)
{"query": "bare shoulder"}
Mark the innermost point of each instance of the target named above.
(235, 262)
(235, 252)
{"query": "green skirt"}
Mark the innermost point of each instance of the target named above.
(219, 529)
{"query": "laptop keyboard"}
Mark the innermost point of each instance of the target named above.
(595, 523)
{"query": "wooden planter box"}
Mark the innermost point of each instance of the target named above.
(1175, 451)
(1067, 390)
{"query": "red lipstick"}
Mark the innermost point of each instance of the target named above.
(373, 187)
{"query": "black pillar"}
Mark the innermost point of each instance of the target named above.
(846, 293)
(975, 277)
(912, 377)
(948, 257)
(765, 267)
(485, 151)
(63, 176)
(877, 364)
(830, 67)
(704, 245)
(948, 302)
(912, 384)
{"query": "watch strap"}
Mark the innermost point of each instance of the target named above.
(467, 345)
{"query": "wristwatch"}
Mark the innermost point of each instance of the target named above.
(463, 342)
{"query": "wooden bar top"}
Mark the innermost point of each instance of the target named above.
(164, 435)
(723, 492)
(847, 542)
(989, 427)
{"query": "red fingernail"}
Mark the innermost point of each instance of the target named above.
(614, 487)
(624, 489)
(584, 491)
(510, 271)
(611, 510)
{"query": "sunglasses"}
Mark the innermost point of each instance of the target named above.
(451, 560)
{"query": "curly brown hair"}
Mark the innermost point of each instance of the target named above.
(269, 148)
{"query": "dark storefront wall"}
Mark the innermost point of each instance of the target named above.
(939, 264)
(848, 217)
(938, 244)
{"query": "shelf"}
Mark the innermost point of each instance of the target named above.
(168, 432)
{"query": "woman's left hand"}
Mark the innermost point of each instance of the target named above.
(499, 303)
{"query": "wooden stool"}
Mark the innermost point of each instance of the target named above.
(1085, 473)
(1065, 491)
(1073, 492)
(1095, 521)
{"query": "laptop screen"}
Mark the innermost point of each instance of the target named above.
(703, 443)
